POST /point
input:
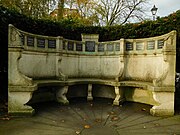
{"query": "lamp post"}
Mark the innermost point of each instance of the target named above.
(154, 11)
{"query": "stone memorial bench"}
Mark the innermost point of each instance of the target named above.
(139, 70)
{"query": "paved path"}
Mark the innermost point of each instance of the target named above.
(91, 118)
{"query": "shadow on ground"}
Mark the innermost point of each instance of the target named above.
(91, 118)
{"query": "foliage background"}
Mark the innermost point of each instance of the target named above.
(71, 29)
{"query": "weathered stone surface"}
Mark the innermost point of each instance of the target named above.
(140, 70)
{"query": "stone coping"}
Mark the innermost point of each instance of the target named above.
(40, 43)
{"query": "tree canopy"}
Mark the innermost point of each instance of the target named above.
(90, 12)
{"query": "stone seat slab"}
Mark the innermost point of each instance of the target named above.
(146, 85)
(69, 82)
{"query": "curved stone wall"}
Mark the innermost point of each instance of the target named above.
(141, 70)
(49, 57)
(151, 59)
(128, 59)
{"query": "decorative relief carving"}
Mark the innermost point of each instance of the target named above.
(169, 41)
(121, 69)
(26, 79)
(167, 49)
(61, 76)
(14, 36)
(61, 95)
(158, 81)
(14, 74)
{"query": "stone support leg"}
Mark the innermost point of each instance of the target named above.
(119, 96)
(89, 97)
(165, 106)
(17, 103)
(61, 95)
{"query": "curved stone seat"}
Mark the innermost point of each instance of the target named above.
(70, 82)
(146, 85)
(62, 87)
(139, 70)
(161, 98)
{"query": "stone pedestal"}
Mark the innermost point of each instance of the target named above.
(61, 95)
(119, 95)
(165, 106)
(89, 97)
(18, 99)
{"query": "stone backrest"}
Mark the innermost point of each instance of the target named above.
(43, 57)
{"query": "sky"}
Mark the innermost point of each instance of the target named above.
(165, 7)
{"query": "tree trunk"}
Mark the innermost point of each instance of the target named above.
(60, 9)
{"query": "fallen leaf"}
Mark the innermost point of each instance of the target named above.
(78, 132)
(112, 113)
(115, 118)
(5, 118)
(62, 121)
(157, 124)
(87, 126)
(143, 109)
(98, 120)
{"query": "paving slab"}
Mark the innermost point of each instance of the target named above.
(98, 117)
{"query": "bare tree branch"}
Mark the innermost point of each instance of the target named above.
(111, 12)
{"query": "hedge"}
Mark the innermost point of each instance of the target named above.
(73, 30)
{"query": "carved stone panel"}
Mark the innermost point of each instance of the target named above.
(22, 39)
(139, 46)
(64, 45)
(78, 47)
(160, 44)
(150, 45)
(70, 46)
(101, 47)
(40, 43)
(110, 47)
(129, 46)
(117, 46)
(90, 46)
(51, 43)
(30, 41)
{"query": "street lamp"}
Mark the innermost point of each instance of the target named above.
(154, 11)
